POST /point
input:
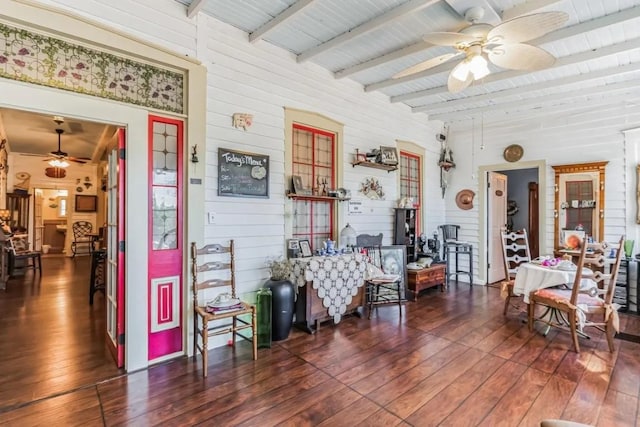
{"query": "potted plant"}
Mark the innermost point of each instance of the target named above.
(283, 297)
(279, 269)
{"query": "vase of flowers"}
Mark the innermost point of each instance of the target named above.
(283, 297)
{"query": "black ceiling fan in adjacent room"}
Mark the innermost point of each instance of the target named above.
(61, 158)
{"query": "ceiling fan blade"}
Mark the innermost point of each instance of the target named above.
(449, 39)
(425, 65)
(520, 56)
(527, 27)
(456, 85)
(82, 160)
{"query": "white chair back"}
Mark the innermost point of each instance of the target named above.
(515, 251)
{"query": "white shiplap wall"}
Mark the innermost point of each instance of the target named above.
(262, 79)
(556, 135)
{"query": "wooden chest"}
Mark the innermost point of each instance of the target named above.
(426, 278)
(310, 311)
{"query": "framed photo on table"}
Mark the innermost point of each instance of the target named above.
(305, 248)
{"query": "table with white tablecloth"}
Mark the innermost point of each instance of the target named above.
(531, 276)
(329, 286)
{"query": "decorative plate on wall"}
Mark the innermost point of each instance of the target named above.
(513, 153)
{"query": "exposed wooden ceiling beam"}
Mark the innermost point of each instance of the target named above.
(288, 13)
(495, 97)
(560, 34)
(528, 7)
(393, 14)
(462, 6)
(391, 56)
(539, 101)
(194, 8)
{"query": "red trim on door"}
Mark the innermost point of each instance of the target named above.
(121, 253)
(165, 265)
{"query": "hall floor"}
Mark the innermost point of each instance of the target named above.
(452, 359)
(52, 342)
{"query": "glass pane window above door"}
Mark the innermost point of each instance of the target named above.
(165, 153)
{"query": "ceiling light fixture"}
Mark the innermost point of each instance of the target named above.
(57, 163)
(475, 63)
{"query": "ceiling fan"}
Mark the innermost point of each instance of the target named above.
(501, 45)
(59, 158)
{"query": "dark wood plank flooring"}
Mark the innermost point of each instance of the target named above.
(52, 341)
(452, 359)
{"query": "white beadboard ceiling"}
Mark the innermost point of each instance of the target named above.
(368, 41)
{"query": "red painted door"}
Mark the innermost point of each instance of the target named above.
(165, 237)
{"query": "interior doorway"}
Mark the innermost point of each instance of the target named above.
(71, 331)
(522, 204)
(51, 207)
(519, 175)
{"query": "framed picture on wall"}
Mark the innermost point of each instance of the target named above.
(86, 203)
(388, 155)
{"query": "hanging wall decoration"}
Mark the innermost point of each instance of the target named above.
(372, 189)
(242, 120)
(445, 162)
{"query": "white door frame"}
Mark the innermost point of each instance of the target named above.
(483, 208)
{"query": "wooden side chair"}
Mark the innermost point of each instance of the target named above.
(592, 309)
(381, 287)
(515, 251)
(20, 255)
(226, 317)
(368, 240)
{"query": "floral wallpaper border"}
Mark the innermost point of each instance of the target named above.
(29, 57)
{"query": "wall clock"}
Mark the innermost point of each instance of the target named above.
(513, 153)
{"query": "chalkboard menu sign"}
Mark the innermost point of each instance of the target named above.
(242, 174)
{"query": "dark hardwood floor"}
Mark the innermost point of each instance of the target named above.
(52, 340)
(452, 359)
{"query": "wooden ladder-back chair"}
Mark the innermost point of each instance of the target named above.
(584, 309)
(515, 251)
(203, 314)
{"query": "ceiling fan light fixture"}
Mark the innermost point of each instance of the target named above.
(479, 67)
(57, 163)
(461, 71)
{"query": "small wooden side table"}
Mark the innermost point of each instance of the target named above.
(426, 278)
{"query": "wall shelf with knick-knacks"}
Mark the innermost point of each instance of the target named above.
(370, 160)
(295, 196)
(374, 165)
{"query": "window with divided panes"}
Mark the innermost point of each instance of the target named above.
(314, 162)
(410, 181)
(579, 214)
